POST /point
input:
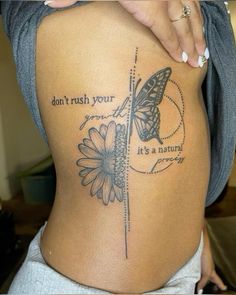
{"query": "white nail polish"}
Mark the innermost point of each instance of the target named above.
(184, 57)
(201, 61)
(48, 2)
(207, 53)
(225, 288)
(200, 291)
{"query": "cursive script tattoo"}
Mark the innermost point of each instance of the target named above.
(119, 112)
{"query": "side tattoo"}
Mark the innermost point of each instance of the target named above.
(105, 161)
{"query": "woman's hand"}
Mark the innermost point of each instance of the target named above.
(208, 273)
(183, 38)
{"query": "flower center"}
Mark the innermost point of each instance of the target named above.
(109, 163)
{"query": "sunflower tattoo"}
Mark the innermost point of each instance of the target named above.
(104, 164)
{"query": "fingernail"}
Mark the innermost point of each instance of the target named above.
(184, 57)
(225, 288)
(201, 61)
(203, 29)
(200, 291)
(48, 2)
(207, 53)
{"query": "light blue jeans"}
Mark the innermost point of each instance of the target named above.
(36, 277)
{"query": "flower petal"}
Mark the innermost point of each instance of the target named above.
(112, 196)
(118, 192)
(118, 127)
(99, 194)
(84, 172)
(89, 143)
(103, 130)
(88, 152)
(97, 184)
(91, 176)
(123, 128)
(110, 137)
(89, 163)
(97, 140)
(106, 189)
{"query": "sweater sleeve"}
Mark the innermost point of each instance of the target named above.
(219, 93)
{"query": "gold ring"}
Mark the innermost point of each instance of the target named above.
(185, 13)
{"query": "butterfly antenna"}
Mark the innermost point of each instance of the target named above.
(159, 139)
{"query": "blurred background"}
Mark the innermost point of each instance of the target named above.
(27, 184)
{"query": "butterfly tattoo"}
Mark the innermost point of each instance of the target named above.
(145, 114)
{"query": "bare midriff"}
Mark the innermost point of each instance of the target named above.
(128, 132)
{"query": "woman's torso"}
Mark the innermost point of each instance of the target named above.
(137, 244)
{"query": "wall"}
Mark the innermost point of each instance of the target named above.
(232, 6)
(20, 141)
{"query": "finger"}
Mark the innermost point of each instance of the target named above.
(164, 31)
(197, 27)
(202, 283)
(200, 10)
(218, 281)
(59, 3)
(184, 31)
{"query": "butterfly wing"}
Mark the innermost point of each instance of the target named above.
(145, 112)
